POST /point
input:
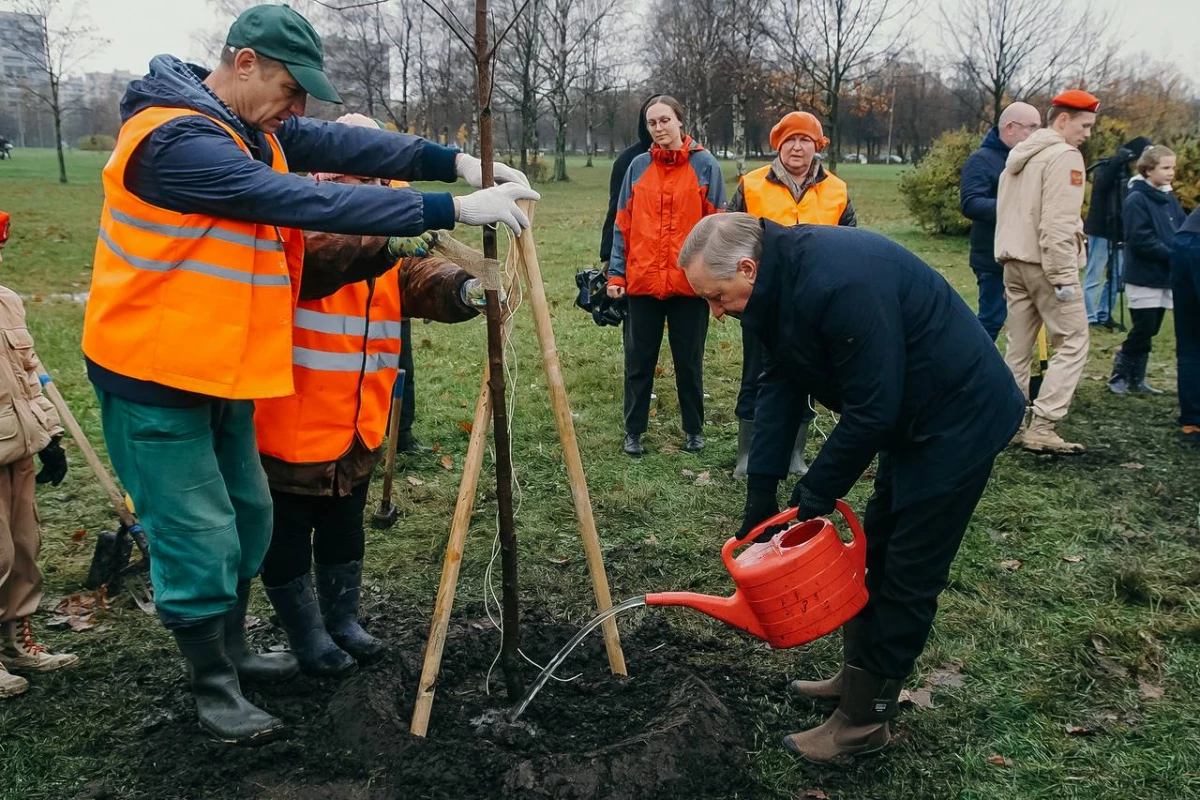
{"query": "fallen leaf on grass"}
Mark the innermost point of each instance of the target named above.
(704, 479)
(1149, 691)
(447, 462)
(561, 561)
(437, 448)
(949, 675)
(79, 624)
(76, 605)
(650, 540)
(687, 473)
(466, 426)
(1080, 730)
(658, 371)
(1133, 465)
(815, 794)
(919, 698)
(1011, 565)
(79, 535)
(998, 760)
(1073, 559)
(415, 481)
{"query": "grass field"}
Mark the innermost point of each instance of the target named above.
(1063, 654)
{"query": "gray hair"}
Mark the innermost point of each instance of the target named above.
(721, 241)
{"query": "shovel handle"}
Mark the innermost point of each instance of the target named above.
(393, 436)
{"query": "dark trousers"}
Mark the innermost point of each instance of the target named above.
(1185, 284)
(1146, 324)
(329, 529)
(408, 404)
(686, 319)
(993, 309)
(909, 553)
(752, 370)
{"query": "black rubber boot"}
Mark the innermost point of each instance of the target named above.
(339, 587)
(798, 467)
(251, 666)
(1119, 382)
(407, 443)
(224, 712)
(1137, 375)
(300, 616)
(745, 436)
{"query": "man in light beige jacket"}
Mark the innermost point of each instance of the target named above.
(1040, 242)
(28, 424)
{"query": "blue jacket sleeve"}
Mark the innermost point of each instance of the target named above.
(1140, 233)
(976, 199)
(192, 166)
(864, 332)
(313, 145)
(716, 184)
(616, 259)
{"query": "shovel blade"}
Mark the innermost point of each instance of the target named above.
(384, 516)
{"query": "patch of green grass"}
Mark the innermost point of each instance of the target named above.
(1028, 639)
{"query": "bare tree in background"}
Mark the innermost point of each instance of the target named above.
(686, 56)
(838, 42)
(744, 55)
(520, 75)
(59, 36)
(1007, 50)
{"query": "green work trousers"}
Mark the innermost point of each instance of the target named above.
(201, 494)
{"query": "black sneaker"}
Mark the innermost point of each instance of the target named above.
(693, 442)
(633, 445)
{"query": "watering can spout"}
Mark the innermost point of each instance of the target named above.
(731, 610)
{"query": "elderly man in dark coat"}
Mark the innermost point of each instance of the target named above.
(872, 332)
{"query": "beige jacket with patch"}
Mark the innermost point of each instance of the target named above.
(28, 420)
(1038, 207)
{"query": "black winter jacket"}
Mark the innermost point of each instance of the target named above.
(872, 332)
(1150, 217)
(977, 189)
(1109, 186)
(617, 178)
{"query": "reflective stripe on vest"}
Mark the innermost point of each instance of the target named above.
(190, 301)
(823, 203)
(346, 353)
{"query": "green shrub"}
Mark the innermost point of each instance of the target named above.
(931, 189)
(1187, 169)
(99, 142)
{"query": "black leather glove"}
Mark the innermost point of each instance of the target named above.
(760, 505)
(810, 505)
(54, 463)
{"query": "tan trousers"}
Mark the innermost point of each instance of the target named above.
(1032, 304)
(20, 542)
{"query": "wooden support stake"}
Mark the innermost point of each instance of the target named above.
(453, 560)
(570, 445)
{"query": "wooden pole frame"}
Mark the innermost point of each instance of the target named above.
(523, 254)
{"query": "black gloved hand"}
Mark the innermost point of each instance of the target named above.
(810, 505)
(760, 505)
(54, 463)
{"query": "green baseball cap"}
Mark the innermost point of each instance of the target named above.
(280, 33)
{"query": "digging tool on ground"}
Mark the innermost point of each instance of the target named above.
(110, 562)
(386, 513)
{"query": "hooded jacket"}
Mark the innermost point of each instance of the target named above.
(872, 332)
(1151, 217)
(191, 165)
(977, 190)
(1109, 187)
(1038, 205)
(665, 193)
(617, 178)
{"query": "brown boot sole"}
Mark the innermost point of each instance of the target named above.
(13, 689)
(840, 757)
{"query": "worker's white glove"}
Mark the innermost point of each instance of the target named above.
(1065, 293)
(470, 169)
(496, 204)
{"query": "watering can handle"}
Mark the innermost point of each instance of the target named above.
(860, 536)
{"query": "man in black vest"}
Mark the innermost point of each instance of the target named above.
(873, 333)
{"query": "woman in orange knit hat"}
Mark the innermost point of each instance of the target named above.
(793, 189)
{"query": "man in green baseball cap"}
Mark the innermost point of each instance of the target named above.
(281, 34)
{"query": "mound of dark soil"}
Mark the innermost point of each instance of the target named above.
(662, 733)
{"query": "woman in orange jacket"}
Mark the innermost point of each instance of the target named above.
(665, 193)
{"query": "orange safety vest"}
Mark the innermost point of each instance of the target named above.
(190, 301)
(345, 358)
(822, 204)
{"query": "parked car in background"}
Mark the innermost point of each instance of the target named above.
(890, 158)
(853, 158)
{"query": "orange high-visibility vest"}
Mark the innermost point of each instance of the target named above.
(822, 204)
(190, 301)
(345, 357)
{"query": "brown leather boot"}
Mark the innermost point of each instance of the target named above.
(858, 726)
(11, 685)
(830, 689)
(1040, 437)
(20, 652)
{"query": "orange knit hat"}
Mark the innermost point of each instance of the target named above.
(798, 122)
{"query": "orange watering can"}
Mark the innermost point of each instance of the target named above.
(802, 584)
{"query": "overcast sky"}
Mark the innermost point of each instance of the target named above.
(140, 29)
